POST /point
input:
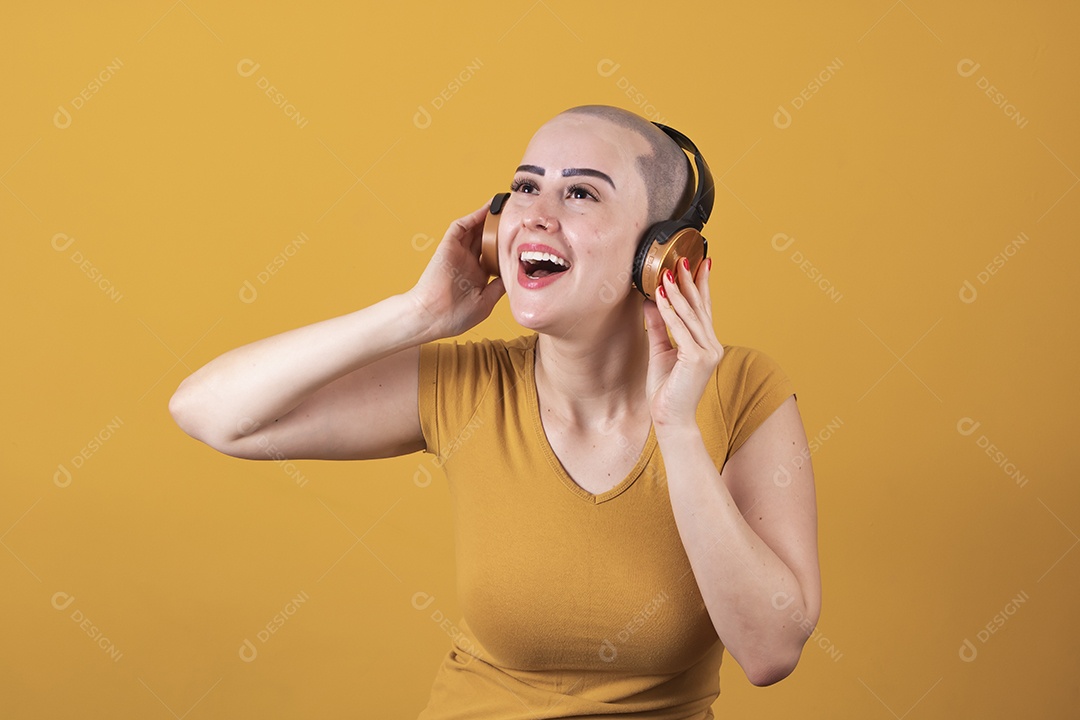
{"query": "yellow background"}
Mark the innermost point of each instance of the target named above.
(179, 180)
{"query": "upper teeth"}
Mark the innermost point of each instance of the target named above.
(534, 256)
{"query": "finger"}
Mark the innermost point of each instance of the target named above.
(701, 282)
(689, 289)
(659, 341)
(689, 315)
(667, 295)
(704, 273)
(491, 292)
(464, 226)
(696, 290)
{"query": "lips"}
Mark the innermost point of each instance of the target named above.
(540, 265)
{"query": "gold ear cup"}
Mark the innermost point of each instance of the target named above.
(685, 243)
(489, 248)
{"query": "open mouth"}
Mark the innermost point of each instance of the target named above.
(541, 264)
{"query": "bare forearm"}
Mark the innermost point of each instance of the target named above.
(263, 380)
(740, 577)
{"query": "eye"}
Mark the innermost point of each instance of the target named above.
(524, 186)
(580, 192)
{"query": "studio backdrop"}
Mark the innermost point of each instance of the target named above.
(895, 223)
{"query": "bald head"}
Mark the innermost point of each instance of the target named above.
(666, 170)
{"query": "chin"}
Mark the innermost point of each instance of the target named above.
(531, 318)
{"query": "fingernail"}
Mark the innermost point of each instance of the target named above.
(708, 264)
(669, 276)
(686, 264)
(661, 291)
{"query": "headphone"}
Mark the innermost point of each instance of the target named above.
(661, 247)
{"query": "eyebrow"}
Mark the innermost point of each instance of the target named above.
(568, 172)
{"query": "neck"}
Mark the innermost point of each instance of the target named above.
(596, 375)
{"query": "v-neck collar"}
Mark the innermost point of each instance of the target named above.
(557, 466)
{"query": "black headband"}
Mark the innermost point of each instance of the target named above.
(701, 206)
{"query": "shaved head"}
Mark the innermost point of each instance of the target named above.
(666, 170)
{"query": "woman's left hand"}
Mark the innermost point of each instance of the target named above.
(678, 374)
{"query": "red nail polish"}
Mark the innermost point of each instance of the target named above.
(686, 263)
(661, 291)
(669, 276)
(708, 264)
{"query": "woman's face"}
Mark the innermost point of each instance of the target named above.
(568, 234)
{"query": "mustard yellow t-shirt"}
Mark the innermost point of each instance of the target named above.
(574, 605)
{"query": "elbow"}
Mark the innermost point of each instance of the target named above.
(774, 667)
(183, 410)
(766, 675)
(201, 419)
(191, 416)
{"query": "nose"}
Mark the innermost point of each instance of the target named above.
(542, 214)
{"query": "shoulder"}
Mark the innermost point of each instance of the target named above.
(744, 371)
(744, 361)
(490, 348)
(480, 357)
(460, 377)
(750, 385)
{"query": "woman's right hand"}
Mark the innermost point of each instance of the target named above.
(453, 293)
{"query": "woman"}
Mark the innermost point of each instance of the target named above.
(626, 507)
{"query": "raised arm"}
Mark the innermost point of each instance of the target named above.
(751, 540)
(343, 388)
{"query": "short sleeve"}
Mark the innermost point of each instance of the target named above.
(453, 379)
(751, 385)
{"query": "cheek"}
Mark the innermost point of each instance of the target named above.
(619, 247)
